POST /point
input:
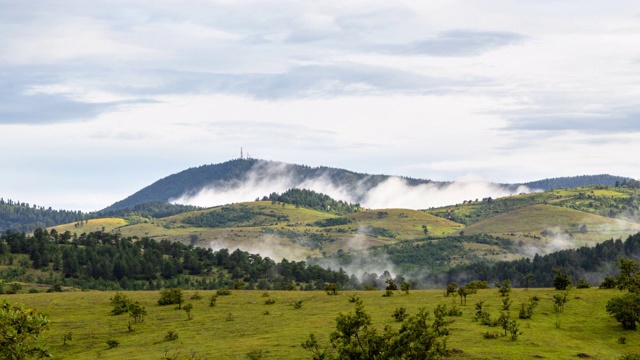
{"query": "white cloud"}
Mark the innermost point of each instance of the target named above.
(152, 88)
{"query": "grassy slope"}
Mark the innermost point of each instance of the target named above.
(585, 199)
(406, 224)
(584, 327)
(109, 224)
(532, 220)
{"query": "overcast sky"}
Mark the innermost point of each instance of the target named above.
(99, 99)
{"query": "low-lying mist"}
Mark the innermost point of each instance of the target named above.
(395, 192)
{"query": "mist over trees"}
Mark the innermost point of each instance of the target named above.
(104, 261)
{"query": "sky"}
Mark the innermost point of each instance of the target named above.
(100, 99)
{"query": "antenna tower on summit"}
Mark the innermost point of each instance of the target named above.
(241, 155)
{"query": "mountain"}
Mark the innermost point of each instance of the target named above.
(236, 180)
(575, 181)
(258, 173)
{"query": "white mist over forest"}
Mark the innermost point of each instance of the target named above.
(395, 192)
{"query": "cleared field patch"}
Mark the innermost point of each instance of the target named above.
(102, 224)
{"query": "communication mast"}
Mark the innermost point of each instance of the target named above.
(241, 155)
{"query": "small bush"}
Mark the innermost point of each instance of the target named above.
(254, 355)
(196, 296)
(490, 336)
(171, 335)
(270, 301)
(33, 291)
(170, 296)
(212, 300)
(609, 282)
(353, 298)
(265, 294)
(223, 292)
(113, 343)
(582, 284)
(297, 304)
(622, 340)
(55, 288)
(400, 314)
(120, 303)
(387, 293)
(455, 310)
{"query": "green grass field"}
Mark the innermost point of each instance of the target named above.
(239, 324)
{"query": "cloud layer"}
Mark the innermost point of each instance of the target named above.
(438, 89)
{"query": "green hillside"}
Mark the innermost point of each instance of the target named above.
(577, 228)
(243, 322)
(616, 202)
(293, 230)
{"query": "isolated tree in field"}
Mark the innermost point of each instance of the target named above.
(391, 285)
(504, 287)
(527, 280)
(20, 328)
(405, 286)
(187, 308)
(626, 310)
(463, 292)
(562, 279)
(171, 296)
(629, 278)
(137, 312)
(451, 289)
(331, 289)
(559, 300)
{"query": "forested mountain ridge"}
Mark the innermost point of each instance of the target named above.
(21, 216)
(226, 174)
(575, 181)
(232, 173)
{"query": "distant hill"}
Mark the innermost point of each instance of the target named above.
(575, 181)
(21, 216)
(253, 173)
(231, 173)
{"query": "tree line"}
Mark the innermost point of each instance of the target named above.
(100, 260)
(312, 200)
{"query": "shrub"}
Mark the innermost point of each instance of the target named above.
(120, 303)
(112, 343)
(223, 292)
(171, 335)
(526, 309)
(582, 284)
(400, 314)
(455, 311)
(170, 296)
(254, 355)
(353, 298)
(297, 304)
(212, 300)
(270, 302)
(196, 296)
(489, 335)
(625, 309)
(19, 327)
(387, 293)
(609, 282)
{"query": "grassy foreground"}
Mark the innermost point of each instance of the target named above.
(239, 323)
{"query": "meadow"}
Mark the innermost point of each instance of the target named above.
(243, 322)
